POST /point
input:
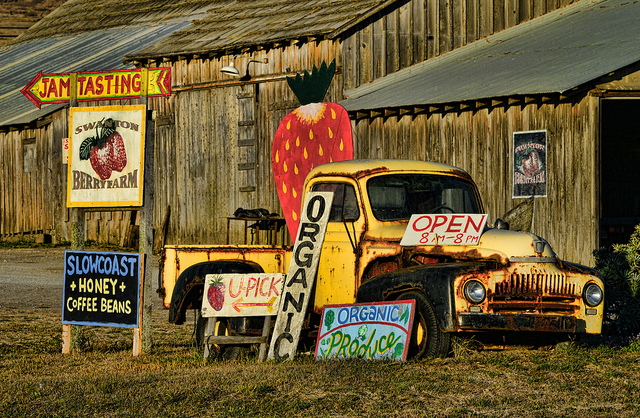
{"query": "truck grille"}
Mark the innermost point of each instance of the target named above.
(535, 284)
(540, 293)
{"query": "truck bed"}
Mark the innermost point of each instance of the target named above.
(177, 258)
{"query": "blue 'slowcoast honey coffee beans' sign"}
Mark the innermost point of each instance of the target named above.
(101, 288)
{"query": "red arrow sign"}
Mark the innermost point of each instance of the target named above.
(97, 85)
(238, 303)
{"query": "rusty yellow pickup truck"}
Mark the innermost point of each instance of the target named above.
(501, 285)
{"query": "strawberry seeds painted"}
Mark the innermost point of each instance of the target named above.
(315, 133)
(215, 293)
(105, 151)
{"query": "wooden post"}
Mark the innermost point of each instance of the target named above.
(72, 334)
(146, 219)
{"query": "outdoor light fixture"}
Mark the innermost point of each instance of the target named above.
(233, 71)
(230, 70)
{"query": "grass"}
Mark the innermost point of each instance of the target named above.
(173, 380)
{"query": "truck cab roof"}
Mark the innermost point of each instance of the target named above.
(363, 168)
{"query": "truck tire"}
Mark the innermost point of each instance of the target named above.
(427, 340)
(225, 352)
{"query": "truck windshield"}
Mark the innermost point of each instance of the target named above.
(397, 196)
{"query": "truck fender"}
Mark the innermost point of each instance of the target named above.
(187, 292)
(436, 281)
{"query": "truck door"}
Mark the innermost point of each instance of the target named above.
(337, 271)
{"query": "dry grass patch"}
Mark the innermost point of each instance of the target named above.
(106, 380)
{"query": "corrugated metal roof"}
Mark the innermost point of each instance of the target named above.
(554, 53)
(232, 24)
(97, 35)
(100, 50)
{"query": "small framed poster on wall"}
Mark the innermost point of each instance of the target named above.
(529, 164)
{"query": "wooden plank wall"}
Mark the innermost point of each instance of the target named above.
(481, 142)
(33, 188)
(423, 29)
(213, 139)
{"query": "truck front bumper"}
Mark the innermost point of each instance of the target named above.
(468, 321)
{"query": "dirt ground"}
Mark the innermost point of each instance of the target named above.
(33, 278)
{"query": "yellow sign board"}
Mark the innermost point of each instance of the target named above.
(97, 85)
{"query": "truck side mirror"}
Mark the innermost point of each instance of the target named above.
(500, 224)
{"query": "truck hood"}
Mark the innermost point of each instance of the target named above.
(500, 245)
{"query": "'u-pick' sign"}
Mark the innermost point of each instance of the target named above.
(444, 229)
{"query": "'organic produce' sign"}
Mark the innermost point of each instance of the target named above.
(256, 294)
(370, 331)
(444, 229)
(101, 288)
(301, 275)
(106, 151)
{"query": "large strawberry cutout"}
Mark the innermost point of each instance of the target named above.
(313, 134)
(105, 151)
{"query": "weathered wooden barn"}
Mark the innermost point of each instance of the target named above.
(422, 79)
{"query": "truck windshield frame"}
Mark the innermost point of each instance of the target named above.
(395, 197)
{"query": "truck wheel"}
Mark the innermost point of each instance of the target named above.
(427, 340)
(226, 352)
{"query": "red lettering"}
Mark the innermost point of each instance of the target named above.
(126, 82)
(89, 87)
(43, 93)
(273, 287)
(476, 227)
(415, 223)
(439, 221)
(262, 293)
(53, 91)
(64, 85)
(452, 223)
(252, 284)
(137, 81)
(81, 84)
(99, 86)
(108, 79)
(235, 295)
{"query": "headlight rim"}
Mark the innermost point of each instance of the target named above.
(467, 293)
(586, 298)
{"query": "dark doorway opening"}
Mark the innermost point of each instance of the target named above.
(620, 187)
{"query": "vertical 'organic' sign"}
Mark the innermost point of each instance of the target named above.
(301, 275)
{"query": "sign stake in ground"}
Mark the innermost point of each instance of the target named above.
(301, 275)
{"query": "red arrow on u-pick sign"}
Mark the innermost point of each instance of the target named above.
(238, 303)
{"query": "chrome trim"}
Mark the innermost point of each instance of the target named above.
(532, 259)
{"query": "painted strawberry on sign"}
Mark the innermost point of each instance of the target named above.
(215, 293)
(105, 150)
(315, 133)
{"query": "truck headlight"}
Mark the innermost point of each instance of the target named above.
(474, 291)
(592, 294)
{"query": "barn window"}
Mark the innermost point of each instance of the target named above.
(29, 155)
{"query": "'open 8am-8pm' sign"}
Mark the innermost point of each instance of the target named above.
(106, 156)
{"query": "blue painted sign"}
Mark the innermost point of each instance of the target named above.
(371, 331)
(101, 288)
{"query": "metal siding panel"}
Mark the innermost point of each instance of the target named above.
(96, 51)
(551, 54)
